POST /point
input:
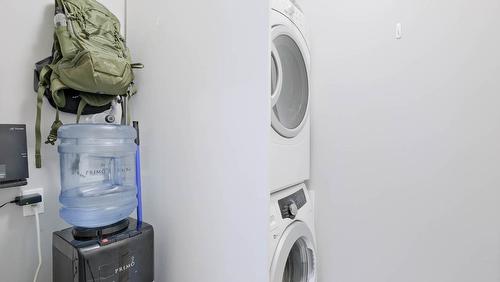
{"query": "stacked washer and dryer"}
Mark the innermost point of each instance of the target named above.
(292, 253)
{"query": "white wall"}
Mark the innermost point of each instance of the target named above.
(30, 42)
(202, 107)
(204, 120)
(406, 139)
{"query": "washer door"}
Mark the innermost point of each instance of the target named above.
(294, 259)
(289, 80)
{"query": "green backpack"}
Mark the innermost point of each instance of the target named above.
(89, 58)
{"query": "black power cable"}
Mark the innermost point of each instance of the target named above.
(11, 202)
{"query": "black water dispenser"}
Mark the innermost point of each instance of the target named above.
(120, 252)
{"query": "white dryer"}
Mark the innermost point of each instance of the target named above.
(292, 252)
(290, 123)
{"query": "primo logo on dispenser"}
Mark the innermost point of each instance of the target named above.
(126, 267)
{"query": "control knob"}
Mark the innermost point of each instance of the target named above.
(293, 209)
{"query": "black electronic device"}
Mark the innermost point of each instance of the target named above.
(13, 155)
(120, 252)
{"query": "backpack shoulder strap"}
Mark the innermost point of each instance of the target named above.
(38, 134)
(42, 86)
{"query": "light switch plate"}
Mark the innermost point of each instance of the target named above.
(28, 210)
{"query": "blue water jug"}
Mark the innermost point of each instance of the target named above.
(98, 168)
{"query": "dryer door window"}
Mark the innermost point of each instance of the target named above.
(289, 82)
(299, 264)
(294, 260)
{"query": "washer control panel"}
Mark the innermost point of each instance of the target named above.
(290, 205)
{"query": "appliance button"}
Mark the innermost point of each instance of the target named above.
(290, 10)
(106, 241)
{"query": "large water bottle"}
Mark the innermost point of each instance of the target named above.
(98, 185)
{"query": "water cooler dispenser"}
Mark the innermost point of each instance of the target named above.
(98, 193)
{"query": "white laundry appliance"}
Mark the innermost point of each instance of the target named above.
(292, 252)
(290, 123)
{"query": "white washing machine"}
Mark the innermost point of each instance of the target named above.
(292, 252)
(290, 123)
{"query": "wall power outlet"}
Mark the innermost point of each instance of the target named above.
(27, 210)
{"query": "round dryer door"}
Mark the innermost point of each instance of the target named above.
(294, 260)
(289, 80)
